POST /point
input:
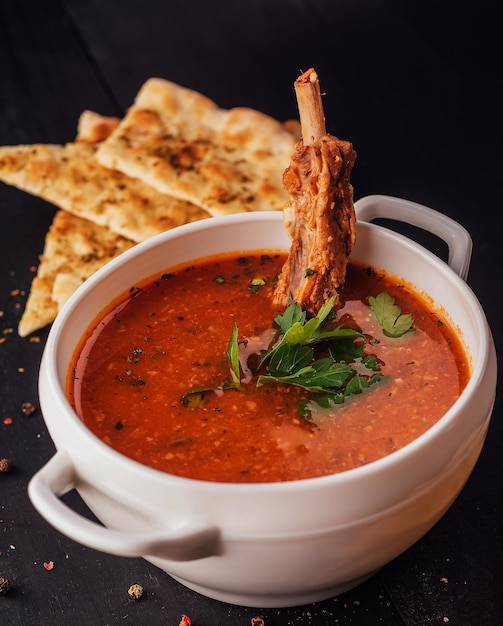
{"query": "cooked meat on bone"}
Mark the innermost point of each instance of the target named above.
(319, 215)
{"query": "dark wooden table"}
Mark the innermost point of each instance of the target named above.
(415, 86)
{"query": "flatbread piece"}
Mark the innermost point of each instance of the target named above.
(93, 127)
(74, 249)
(180, 142)
(70, 177)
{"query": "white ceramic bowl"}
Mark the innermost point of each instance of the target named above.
(280, 544)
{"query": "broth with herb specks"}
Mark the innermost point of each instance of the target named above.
(135, 377)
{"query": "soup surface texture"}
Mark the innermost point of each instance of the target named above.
(171, 335)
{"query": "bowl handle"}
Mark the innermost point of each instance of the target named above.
(456, 237)
(194, 540)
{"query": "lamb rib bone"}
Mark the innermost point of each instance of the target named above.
(319, 216)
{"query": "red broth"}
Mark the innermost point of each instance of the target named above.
(169, 336)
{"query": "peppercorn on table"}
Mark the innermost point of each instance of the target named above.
(413, 86)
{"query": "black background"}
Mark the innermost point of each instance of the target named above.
(415, 86)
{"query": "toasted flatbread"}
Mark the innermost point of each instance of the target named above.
(180, 142)
(70, 177)
(226, 161)
(74, 249)
(93, 127)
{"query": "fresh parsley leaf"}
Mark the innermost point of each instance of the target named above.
(293, 314)
(321, 375)
(289, 358)
(328, 374)
(347, 349)
(233, 358)
(371, 363)
(295, 329)
(293, 323)
(336, 333)
(389, 315)
(356, 385)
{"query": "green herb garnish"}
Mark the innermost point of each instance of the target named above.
(342, 370)
(195, 397)
(329, 363)
(256, 283)
(295, 329)
(233, 358)
(389, 315)
(292, 359)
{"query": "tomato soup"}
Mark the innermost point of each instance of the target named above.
(133, 377)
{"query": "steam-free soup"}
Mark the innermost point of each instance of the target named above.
(136, 376)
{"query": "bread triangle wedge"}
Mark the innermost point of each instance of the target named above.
(74, 249)
(69, 177)
(182, 144)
